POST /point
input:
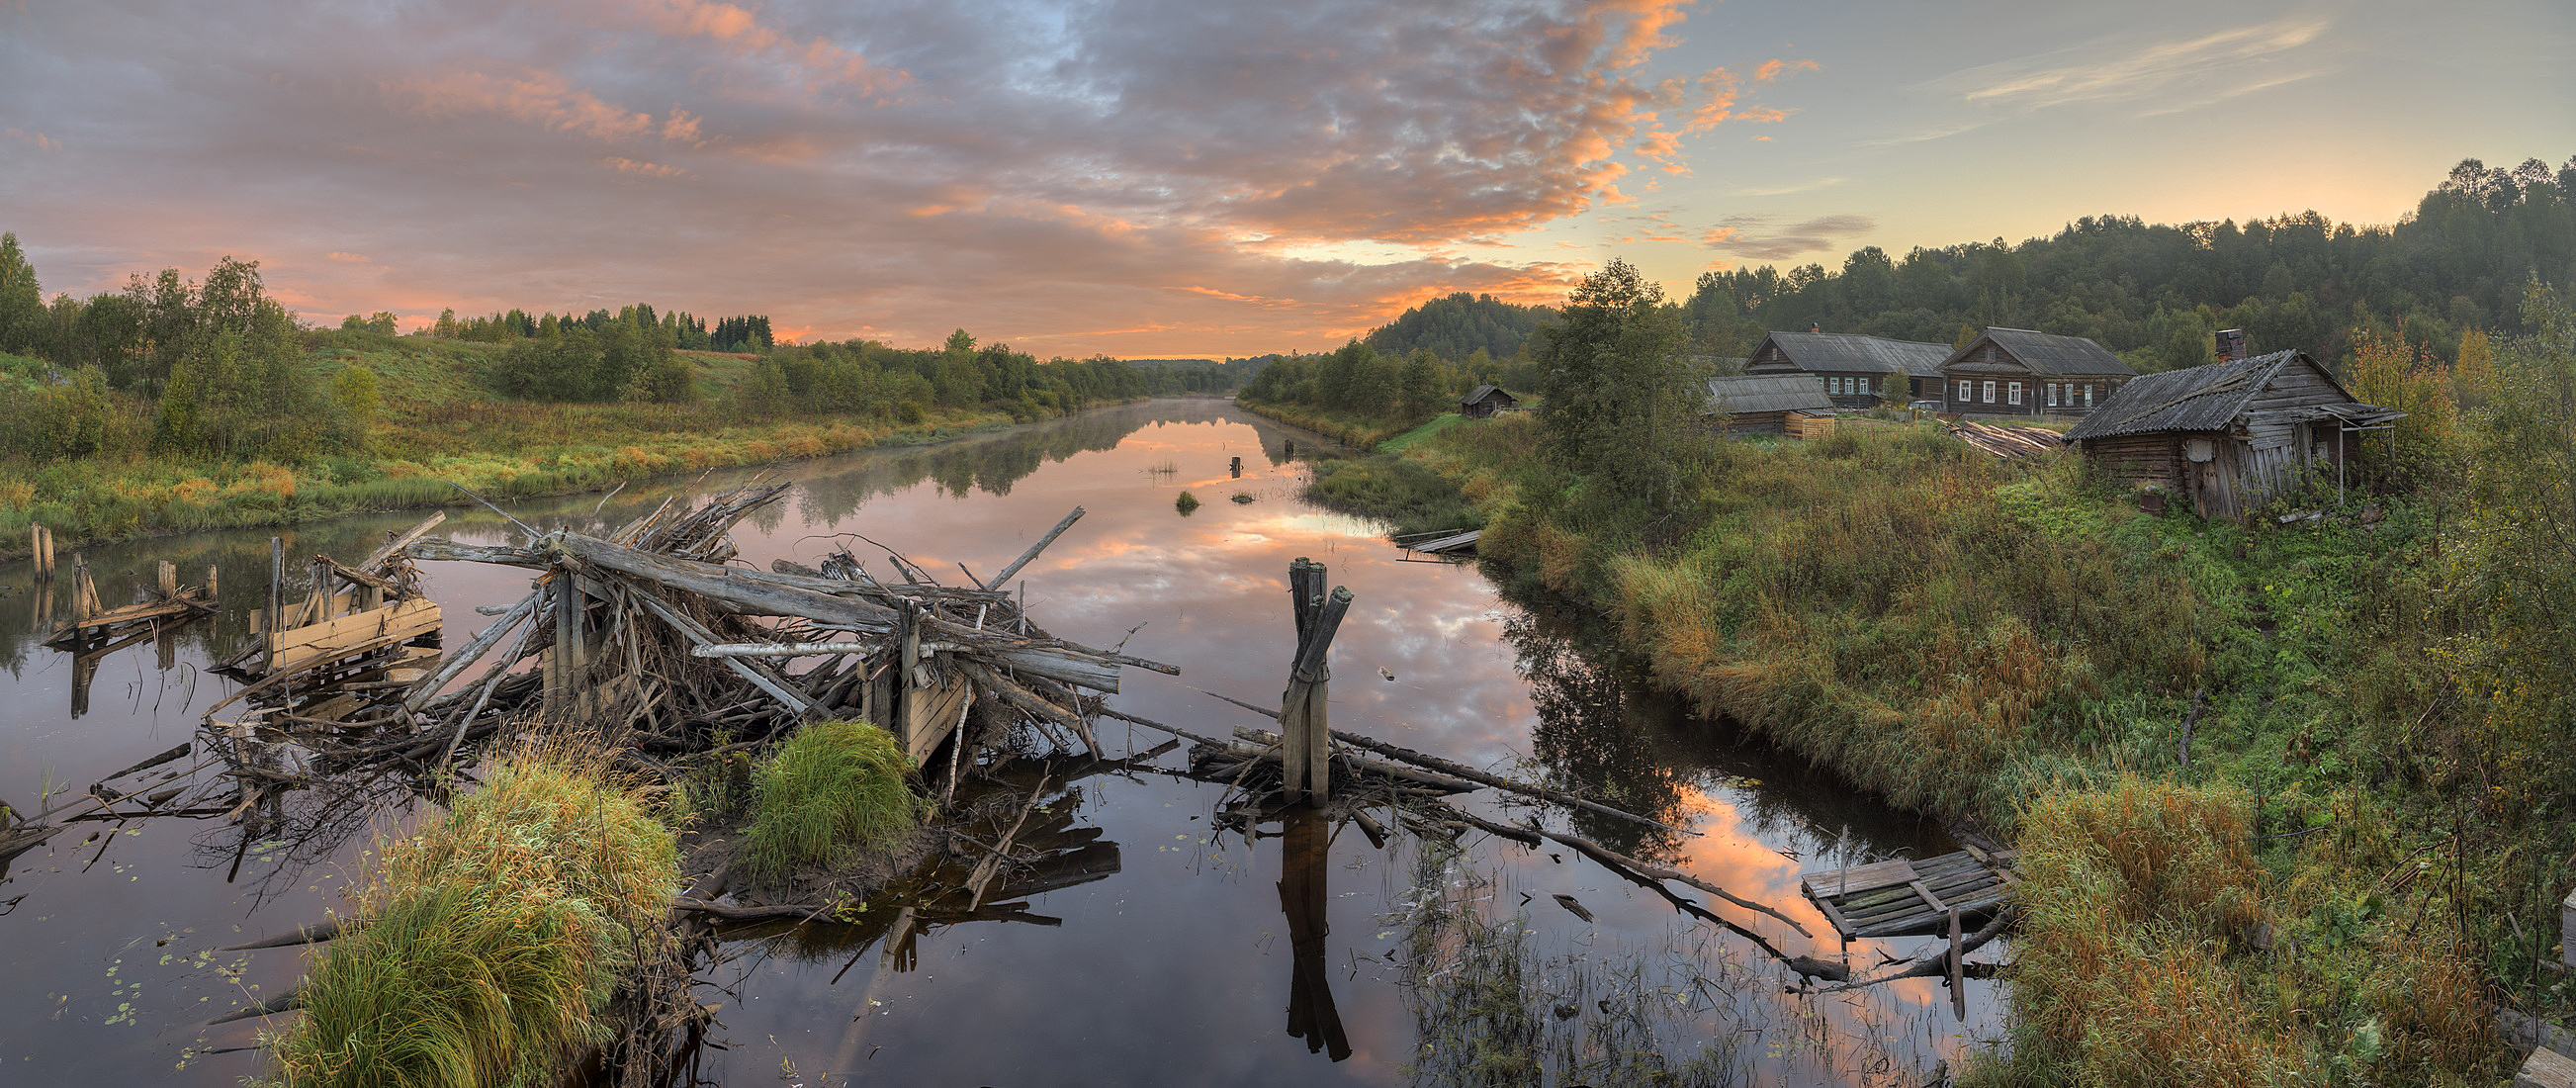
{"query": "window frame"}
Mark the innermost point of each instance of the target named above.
(1989, 391)
(2012, 393)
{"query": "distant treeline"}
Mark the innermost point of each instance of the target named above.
(864, 376)
(1362, 381)
(749, 333)
(1459, 326)
(2155, 293)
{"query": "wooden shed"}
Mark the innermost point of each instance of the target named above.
(2229, 435)
(1794, 405)
(1857, 371)
(2019, 372)
(1484, 401)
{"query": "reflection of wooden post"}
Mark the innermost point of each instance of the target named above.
(1306, 762)
(1304, 897)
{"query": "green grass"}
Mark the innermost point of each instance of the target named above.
(835, 791)
(1408, 496)
(1438, 425)
(496, 938)
(1187, 504)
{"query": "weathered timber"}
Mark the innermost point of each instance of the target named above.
(1004, 575)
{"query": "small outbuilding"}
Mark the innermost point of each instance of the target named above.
(1856, 371)
(1793, 405)
(2018, 372)
(1484, 401)
(2230, 435)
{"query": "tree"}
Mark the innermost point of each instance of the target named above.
(24, 321)
(1618, 400)
(354, 390)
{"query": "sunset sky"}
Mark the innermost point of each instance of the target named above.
(1188, 177)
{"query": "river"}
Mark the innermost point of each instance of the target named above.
(1299, 956)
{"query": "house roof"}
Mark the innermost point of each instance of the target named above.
(1483, 391)
(2209, 398)
(1852, 353)
(2046, 353)
(1768, 393)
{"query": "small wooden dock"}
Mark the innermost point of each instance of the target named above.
(1444, 545)
(1904, 897)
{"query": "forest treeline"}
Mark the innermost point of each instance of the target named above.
(2155, 292)
(217, 368)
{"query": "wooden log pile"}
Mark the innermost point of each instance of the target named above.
(653, 636)
(2007, 442)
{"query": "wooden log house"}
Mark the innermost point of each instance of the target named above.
(1790, 405)
(2229, 435)
(2018, 372)
(1485, 400)
(1856, 371)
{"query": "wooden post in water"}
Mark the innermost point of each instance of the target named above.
(273, 618)
(40, 547)
(1236, 468)
(1306, 762)
(168, 577)
(1958, 971)
(212, 593)
(564, 683)
(80, 589)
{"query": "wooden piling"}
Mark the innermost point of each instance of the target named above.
(168, 577)
(1304, 724)
(274, 616)
(80, 589)
(212, 577)
(1958, 986)
(40, 548)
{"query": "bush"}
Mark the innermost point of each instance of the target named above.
(837, 790)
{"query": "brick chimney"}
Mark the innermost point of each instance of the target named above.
(2231, 345)
(1813, 327)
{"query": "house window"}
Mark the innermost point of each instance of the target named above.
(2088, 396)
(1841, 385)
(2014, 393)
(2052, 394)
(1964, 392)
(1990, 392)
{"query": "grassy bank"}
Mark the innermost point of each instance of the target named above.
(1352, 429)
(496, 938)
(437, 422)
(2338, 882)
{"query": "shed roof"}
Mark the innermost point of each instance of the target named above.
(1483, 391)
(1767, 393)
(2047, 353)
(2209, 398)
(1853, 353)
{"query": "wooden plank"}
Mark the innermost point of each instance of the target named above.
(1831, 915)
(1928, 897)
(295, 650)
(1861, 878)
(932, 713)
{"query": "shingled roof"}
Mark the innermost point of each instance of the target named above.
(2046, 353)
(1850, 353)
(1767, 393)
(2204, 398)
(1483, 391)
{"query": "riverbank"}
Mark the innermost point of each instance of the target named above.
(2007, 644)
(436, 426)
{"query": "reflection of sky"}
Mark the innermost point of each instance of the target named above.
(1176, 969)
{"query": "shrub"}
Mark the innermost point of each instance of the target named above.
(838, 789)
(1186, 503)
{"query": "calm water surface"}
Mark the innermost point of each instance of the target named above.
(1181, 966)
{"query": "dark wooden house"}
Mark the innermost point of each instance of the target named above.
(2017, 372)
(1784, 404)
(1857, 371)
(2229, 435)
(1484, 401)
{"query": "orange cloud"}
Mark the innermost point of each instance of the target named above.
(741, 33)
(1774, 68)
(540, 98)
(648, 169)
(42, 141)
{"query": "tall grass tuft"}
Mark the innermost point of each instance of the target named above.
(836, 790)
(2132, 897)
(497, 936)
